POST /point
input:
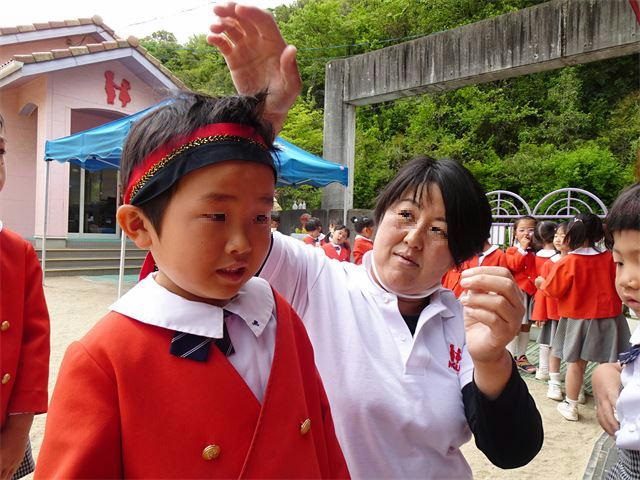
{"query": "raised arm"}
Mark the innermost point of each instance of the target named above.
(258, 57)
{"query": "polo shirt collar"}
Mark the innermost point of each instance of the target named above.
(150, 303)
(440, 301)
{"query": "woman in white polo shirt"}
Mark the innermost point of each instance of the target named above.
(409, 376)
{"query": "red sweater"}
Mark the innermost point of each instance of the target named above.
(124, 407)
(584, 286)
(451, 279)
(544, 307)
(523, 268)
(331, 252)
(24, 329)
(361, 246)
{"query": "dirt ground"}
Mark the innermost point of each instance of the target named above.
(76, 303)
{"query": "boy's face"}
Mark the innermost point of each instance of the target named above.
(215, 231)
(626, 254)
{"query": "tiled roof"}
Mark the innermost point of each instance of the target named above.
(34, 27)
(16, 62)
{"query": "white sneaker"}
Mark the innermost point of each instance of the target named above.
(554, 392)
(582, 399)
(542, 375)
(567, 411)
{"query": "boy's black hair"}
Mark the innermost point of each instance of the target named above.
(362, 222)
(187, 112)
(313, 224)
(544, 232)
(467, 210)
(624, 213)
(585, 227)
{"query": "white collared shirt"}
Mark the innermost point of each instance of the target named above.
(486, 253)
(546, 253)
(585, 251)
(253, 339)
(395, 398)
(362, 237)
(628, 405)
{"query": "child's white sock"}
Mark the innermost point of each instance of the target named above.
(543, 362)
(523, 341)
(555, 378)
(572, 403)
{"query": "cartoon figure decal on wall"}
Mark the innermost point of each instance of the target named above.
(110, 87)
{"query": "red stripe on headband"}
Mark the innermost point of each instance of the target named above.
(214, 132)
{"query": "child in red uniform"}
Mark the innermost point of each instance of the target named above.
(338, 246)
(24, 345)
(543, 236)
(314, 236)
(591, 327)
(491, 256)
(201, 370)
(521, 260)
(549, 327)
(364, 234)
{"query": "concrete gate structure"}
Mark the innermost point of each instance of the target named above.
(544, 37)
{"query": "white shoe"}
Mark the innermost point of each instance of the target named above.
(582, 399)
(567, 411)
(554, 392)
(541, 375)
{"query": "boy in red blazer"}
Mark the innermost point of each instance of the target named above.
(201, 370)
(24, 345)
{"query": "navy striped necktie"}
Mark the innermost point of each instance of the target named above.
(196, 347)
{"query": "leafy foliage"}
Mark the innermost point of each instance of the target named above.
(578, 126)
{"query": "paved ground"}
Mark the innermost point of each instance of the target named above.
(76, 303)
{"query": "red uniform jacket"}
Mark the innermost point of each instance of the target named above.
(451, 279)
(314, 242)
(24, 329)
(125, 407)
(544, 307)
(523, 268)
(361, 245)
(330, 251)
(584, 286)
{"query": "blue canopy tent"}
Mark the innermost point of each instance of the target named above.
(101, 148)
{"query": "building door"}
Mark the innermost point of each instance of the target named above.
(93, 196)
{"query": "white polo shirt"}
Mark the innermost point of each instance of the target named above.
(396, 400)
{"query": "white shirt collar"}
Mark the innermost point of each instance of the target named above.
(556, 257)
(439, 300)
(489, 250)
(363, 238)
(585, 251)
(546, 253)
(150, 303)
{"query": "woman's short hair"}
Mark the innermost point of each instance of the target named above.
(467, 210)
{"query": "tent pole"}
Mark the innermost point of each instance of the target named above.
(344, 207)
(123, 251)
(44, 225)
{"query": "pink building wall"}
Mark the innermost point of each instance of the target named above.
(55, 95)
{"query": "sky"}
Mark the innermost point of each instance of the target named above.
(127, 17)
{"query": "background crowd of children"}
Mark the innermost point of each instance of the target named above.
(567, 277)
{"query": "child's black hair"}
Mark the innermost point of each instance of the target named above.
(467, 210)
(362, 222)
(585, 227)
(184, 114)
(544, 232)
(624, 213)
(313, 224)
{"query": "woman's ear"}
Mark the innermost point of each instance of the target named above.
(135, 224)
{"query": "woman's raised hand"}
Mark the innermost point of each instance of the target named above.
(257, 56)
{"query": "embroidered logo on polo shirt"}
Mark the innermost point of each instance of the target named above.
(455, 356)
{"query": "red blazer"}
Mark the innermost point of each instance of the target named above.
(451, 278)
(124, 407)
(584, 286)
(523, 268)
(24, 329)
(314, 242)
(544, 307)
(361, 245)
(330, 251)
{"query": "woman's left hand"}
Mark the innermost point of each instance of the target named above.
(493, 310)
